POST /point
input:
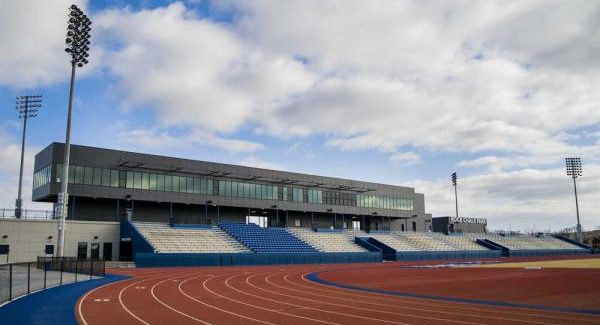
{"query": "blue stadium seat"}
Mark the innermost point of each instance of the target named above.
(266, 240)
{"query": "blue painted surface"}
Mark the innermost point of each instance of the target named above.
(225, 259)
(138, 242)
(50, 306)
(267, 240)
(315, 278)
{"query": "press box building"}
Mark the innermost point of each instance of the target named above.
(112, 186)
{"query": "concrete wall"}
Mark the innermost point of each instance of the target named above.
(28, 238)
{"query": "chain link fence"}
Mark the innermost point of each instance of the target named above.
(18, 279)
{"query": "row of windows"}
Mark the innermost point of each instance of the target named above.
(383, 202)
(41, 177)
(173, 183)
(248, 190)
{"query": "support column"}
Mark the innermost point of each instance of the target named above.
(277, 214)
(218, 215)
(118, 209)
(132, 209)
(312, 219)
(286, 218)
(334, 220)
(343, 220)
(364, 224)
(171, 217)
(206, 213)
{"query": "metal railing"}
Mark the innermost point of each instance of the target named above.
(18, 279)
(27, 214)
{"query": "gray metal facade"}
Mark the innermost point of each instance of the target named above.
(112, 203)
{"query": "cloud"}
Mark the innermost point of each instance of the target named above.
(407, 158)
(32, 38)
(252, 161)
(10, 154)
(163, 139)
(523, 199)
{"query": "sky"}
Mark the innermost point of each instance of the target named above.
(398, 92)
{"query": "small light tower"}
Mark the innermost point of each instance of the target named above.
(573, 166)
(453, 177)
(78, 41)
(27, 106)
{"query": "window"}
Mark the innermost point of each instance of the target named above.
(168, 182)
(105, 177)
(129, 180)
(81, 250)
(152, 182)
(197, 185)
(209, 186)
(79, 174)
(190, 185)
(97, 176)
(88, 176)
(114, 178)
(95, 251)
(145, 181)
(222, 188)
(137, 180)
(297, 223)
(297, 194)
(285, 194)
(175, 184)
(71, 174)
(160, 182)
(234, 189)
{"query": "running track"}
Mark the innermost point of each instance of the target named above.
(279, 295)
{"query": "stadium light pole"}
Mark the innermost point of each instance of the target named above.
(455, 193)
(27, 106)
(78, 41)
(573, 166)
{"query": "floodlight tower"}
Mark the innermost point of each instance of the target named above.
(27, 106)
(453, 177)
(573, 166)
(78, 41)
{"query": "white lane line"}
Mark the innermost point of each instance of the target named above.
(425, 301)
(171, 308)
(409, 308)
(359, 308)
(212, 306)
(123, 304)
(279, 311)
(79, 309)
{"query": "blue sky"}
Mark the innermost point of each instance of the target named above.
(400, 92)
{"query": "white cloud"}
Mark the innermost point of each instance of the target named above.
(523, 199)
(162, 139)
(32, 39)
(407, 158)
(252, 161)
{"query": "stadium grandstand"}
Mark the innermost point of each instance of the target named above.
(162, 211)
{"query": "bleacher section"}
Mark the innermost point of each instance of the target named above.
(266, 240)
(166, 239)
(327, 241)
(523, 242)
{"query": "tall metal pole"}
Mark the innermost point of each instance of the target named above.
(455, 193)
(579, 234)
(573, 167)
(64, 196)
(78, 40)
(27, 107)
(18, 204)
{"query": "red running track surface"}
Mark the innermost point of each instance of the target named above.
(282, 295)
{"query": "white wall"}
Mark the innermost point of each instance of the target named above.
(27, 238)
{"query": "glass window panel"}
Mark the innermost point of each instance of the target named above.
(114, 178)
(201, 185)
(129, 180)
(273, 192)
(160, 182)
(190, 184)
(88, 175)
(137, 180)
(252, 190)
(105, 177)
(79, 174)
(175, 184)
(234, 189)
(246, 190)
(97, 176)
(168, 182)
(197, 185)
(152, 182)
(145, 181)
(209, 186)
(222, 188)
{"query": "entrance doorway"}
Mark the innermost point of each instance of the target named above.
(262, 222)
(355, 225)
(107, 251)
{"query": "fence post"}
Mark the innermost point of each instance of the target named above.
(28, 278)
(91, 268)
(76, 269)
(10, 273)
(45, 272)
(62, 266)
